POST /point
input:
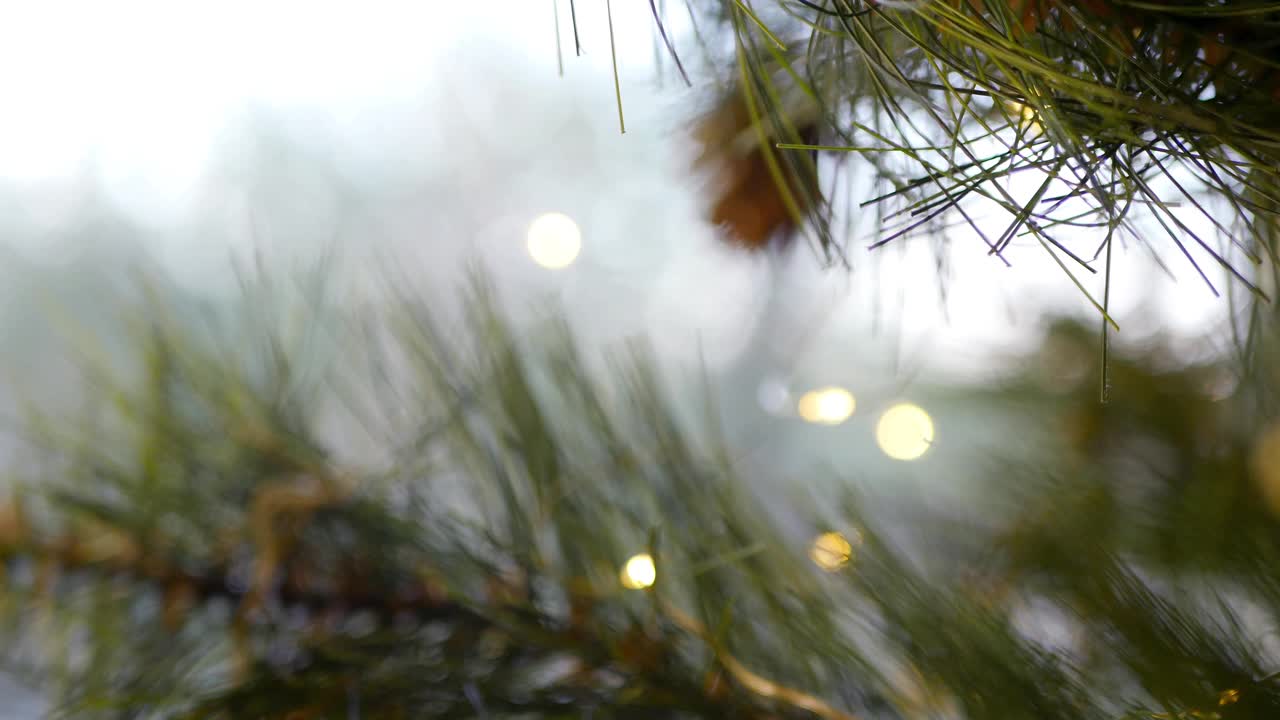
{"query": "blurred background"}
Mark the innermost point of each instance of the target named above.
(176, 137)
(182, 135)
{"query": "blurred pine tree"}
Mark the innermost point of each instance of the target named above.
(542, 540)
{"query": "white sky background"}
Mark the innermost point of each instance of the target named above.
(449, 120)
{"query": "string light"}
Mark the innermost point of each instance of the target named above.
(554, 240)
(639, 572)
(832, 551)
(1027, 117)
(904, 432)
(826, 406)
(1264, 461)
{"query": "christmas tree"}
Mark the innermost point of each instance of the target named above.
(295, 506)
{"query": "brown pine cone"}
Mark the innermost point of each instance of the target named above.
(748, 201)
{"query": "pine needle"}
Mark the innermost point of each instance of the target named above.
(617, 84)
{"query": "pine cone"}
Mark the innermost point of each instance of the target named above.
(749, 202)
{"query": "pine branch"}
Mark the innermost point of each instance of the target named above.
(479, 572)
(1127, 112)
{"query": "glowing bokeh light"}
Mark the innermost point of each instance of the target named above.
(639, 572)
(554, 240)
(826, 406)
(832, 551)
(1264, 461)
(773, 396)
(905, 432)
(1028, 118)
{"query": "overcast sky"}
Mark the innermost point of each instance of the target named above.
(436, 131)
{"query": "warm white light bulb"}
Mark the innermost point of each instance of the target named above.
(554, 240)
(639, 572)
(826, 406)
(831, 551)
(905, 432)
